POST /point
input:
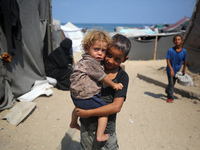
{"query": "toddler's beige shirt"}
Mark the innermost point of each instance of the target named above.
(86, 78)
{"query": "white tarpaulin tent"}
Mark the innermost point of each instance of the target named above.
(70, 25)
(75, 34)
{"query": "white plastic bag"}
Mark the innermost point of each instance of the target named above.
(185, 79)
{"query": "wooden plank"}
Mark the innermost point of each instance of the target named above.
(155, 49)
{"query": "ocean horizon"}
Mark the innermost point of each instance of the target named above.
(109, 27)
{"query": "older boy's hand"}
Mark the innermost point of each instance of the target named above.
(118, 86)
(183, 72)
(172, 73)
(82, 113)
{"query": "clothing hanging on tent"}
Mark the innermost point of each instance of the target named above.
(10, 22)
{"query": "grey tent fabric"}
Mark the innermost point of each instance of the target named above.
(191, 40)
(164, 43)
(144, 49)
(27, 64)
(141, 49)
(6, 97)
(10, 22)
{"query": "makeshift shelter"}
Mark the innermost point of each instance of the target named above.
(191, 40)
(75, 34)
(70, 25)
(177, 27)
(27, 52)
(148, 44)
(57, 34)
(150, 47)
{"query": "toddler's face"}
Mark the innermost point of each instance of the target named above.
(97, 50)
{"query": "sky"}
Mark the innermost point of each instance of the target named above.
(122, 11)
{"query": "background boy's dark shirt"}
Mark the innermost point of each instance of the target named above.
(108, 94)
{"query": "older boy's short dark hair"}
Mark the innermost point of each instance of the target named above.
(121, 43)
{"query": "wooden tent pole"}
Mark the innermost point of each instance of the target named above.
(155, 49)
(51, 24)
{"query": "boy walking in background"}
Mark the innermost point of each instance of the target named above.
(176, 57)
(117, 54)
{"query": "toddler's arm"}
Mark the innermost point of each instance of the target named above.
(109, 82)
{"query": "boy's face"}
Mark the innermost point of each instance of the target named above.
(114, 58)
(178, 41)
(97, 50)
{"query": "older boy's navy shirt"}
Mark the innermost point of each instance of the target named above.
(108, 94)
(176, 59)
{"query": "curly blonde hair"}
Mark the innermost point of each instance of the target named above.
(95, 35)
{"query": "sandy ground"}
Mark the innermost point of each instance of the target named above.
(146, 121)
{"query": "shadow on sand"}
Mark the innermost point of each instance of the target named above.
(159, 96)
(68, 143)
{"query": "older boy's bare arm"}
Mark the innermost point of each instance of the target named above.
(109, 109)
(184, 67)
(170, 67)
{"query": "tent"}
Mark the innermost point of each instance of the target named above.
(191, 40)
(28, 50)
(150, 46)
(70, 25)
(75, 34)
(57, 34)
(176, 27)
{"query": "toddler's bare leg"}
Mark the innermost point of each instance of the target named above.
(102, 122)
(74, 123)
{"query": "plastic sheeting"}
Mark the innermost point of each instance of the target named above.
(57, 34)
(185, 79)
(41, 87)
(27, 65)
(176, 27)
(136, 32)
(144, 49)
(76, 35)
(191, 40)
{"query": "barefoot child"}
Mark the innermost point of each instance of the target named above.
(86, 80)
(176, 57)
(117, 54)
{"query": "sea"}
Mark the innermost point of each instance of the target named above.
(109, 27)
